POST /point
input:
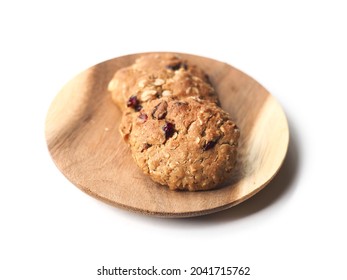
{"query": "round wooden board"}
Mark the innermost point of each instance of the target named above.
(84, 141)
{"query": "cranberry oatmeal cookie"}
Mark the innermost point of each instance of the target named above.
(176, 131)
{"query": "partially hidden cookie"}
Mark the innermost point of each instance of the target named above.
(162, 75)
(176, 131)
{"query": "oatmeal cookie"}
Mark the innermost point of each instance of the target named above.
(159, 75)
(176, 131)
(186, 144)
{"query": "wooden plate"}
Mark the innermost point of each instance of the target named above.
(84, 141)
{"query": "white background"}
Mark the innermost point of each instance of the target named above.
(295, 228)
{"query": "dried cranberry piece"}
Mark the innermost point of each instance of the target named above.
(169, 129)
(209, 145)
(138, 108)
(143, 117)
(174, 67)
(132, 101)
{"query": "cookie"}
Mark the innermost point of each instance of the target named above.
(176, 131)
(154, 76)
(186, 144)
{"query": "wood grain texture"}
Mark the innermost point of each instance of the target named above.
(83, 139)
